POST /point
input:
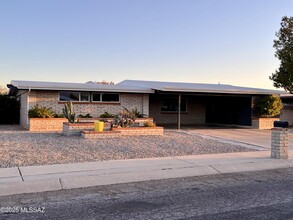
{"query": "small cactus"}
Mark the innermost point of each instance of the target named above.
(68, 112)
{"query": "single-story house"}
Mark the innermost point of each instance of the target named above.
(200, 103)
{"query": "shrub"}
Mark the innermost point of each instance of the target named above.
(268, 106)
(41, 112)
(61, 115)
(149, 123)
(107, 115)
(85, 116)
(9, 110)
(125, 118)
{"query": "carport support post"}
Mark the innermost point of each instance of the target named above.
(179, 112)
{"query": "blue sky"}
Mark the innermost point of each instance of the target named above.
(204, 41)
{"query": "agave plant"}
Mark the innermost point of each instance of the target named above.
(68, 112)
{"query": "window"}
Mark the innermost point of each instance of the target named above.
(74, 96)
(170, 104)
(105, 97)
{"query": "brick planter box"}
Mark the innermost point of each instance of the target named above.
(56, 124)
(141, 130)
(118, 132)
(46, 124)
(70, 129)
(263, 123)
(96, 135)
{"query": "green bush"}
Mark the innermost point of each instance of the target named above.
(9, 110)
(85, 116)
(268, 106)
(41, 112)
(107, 115)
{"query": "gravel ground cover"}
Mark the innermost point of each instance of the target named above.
(22, 148)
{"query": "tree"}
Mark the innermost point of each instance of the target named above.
(268, 106)
(283, 76)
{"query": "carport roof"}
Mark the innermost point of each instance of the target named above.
(199, 87)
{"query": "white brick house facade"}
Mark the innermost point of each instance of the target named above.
(50, 99)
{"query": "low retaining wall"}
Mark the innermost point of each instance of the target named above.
(70, 129)
(141, 130)
(263, 123)
(56, 124)
(118, 132)
(46, 124)
(104, 134)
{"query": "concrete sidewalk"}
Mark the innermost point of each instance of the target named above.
(31, 179)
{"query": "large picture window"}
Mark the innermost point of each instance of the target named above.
(75, 96)
(170, 104)
(105, 97)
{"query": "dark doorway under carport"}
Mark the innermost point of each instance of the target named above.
(233, 110)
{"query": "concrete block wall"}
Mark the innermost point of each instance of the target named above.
(195, 112)
(279, 143)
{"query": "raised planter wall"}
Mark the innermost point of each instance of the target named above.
(141, 130)
(263, 123)
(70, 129)
(56, 124)
(46, 124)
(118, 132)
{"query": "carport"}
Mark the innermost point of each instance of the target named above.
(200, 104)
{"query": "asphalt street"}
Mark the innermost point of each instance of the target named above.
(251, 195)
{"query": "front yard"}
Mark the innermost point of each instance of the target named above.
(23, 148)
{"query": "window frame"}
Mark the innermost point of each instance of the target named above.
(79, 96)
(101, 97)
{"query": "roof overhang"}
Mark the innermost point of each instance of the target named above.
(88, 87)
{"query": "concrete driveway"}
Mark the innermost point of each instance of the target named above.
(251, 136)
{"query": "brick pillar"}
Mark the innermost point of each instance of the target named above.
(279, 143)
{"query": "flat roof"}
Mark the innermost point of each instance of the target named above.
(39, 85)
(199, 87)
(141, 86)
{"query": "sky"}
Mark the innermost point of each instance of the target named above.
(200, 41)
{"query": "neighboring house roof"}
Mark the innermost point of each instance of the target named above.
(198, 87)
(37, 85)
